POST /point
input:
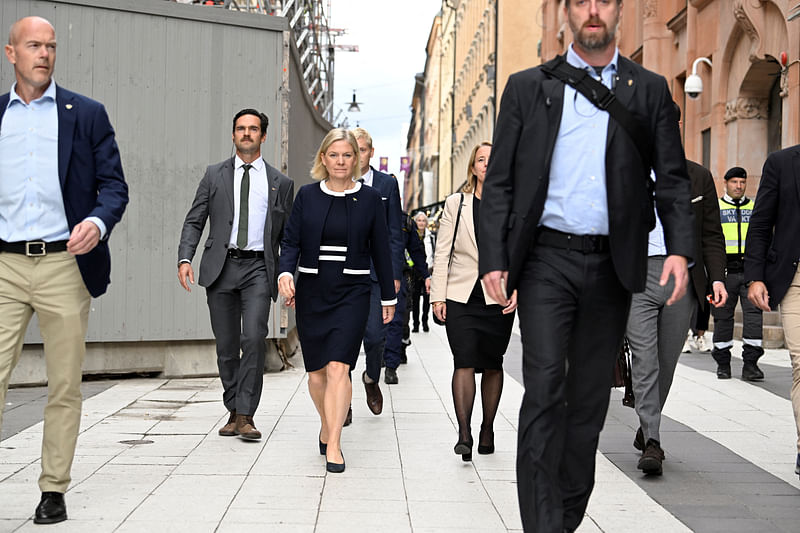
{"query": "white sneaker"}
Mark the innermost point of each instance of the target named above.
(700, 345)
(687, 345)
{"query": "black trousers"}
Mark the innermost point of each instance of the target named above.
(418, 291)
(238, 302)
(572, 313)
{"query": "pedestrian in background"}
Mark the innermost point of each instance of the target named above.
(247, 202)
(478, 329)
(61, 193)
(772, 256)
(419, 285)
(566, 210)
(375, 334)
(735, 211)
(336, 231)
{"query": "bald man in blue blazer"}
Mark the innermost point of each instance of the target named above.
(61, 193)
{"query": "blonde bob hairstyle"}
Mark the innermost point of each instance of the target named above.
(318, 170)
(472, 179)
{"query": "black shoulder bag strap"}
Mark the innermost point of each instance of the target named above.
(455, 230)
(605, 99)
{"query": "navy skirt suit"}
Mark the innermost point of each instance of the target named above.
(330, 240)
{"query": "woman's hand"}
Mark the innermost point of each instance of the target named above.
(512, 303)
(286, 289)
(388, 313)
(440, 310)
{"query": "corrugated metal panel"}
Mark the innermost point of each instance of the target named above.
(172, 77)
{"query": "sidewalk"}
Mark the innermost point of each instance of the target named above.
(149, 459)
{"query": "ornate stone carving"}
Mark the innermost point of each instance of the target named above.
(743, 10)
(746, 108)
(650, 9)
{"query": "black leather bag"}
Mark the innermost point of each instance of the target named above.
(622, 374)
(452, 249)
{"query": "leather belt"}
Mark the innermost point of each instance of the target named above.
(33, 248)
(245, 254)
(587, 244)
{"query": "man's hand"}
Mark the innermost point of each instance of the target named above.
(495, 282)
(427, 285)
(720, 294)
(388, 313)
(286, 289)
(678, 267)
(512, 303)
(84, 237)
(759, 296)
(397, 286)
(440, 310)
(185, 271)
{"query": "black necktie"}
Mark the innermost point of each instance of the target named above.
(244, 209)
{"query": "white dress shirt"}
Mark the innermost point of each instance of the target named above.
(257, 203)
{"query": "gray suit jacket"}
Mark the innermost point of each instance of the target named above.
(214, 202)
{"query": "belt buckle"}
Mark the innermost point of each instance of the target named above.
(32, 253)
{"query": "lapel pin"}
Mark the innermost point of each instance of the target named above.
(630, 83)
(68, 106)
(273, 188)
(355, 199)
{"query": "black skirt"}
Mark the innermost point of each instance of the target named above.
(478, 334)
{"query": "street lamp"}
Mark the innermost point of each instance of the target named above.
(353, 108)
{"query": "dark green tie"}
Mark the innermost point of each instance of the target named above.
(244, 210)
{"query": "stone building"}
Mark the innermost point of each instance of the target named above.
(473, 46)
(750, 102)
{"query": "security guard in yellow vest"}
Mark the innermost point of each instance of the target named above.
(735, 209)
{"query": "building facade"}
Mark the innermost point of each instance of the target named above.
(473, 45)
(750, 100)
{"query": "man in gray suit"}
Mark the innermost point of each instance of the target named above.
(239, 262)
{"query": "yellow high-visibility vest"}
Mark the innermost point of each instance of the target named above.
(735, 220)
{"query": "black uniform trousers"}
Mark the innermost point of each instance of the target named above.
(572, 312)
(238, 302)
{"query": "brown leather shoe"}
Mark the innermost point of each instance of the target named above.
(374, 396)
(246, 428)
(229, 429)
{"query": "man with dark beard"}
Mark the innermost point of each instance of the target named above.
(570, 234)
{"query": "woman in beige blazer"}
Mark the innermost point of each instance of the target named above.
(478, 329)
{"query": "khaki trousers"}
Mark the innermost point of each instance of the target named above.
(52, 287)
(790, 315)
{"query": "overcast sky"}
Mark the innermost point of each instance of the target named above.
(391, 36)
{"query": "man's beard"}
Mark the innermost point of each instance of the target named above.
(596, 40)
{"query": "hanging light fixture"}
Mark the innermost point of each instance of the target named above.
(353, 108)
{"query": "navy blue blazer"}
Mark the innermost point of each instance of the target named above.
(367, 235)
(390, 195)
(90, 172)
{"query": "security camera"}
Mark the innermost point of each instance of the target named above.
(693, 86)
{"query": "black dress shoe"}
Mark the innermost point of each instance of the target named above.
(374, 396)
(415, 329)
(464, 449)
(425, 328)
(751, 372)
(390, 376)
(349, 418)
(335, 468)
(488, 448)
(51, 509)
(724, 371)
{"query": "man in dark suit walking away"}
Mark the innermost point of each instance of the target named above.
(61, 193)
(570, 234)
(772, 256)
(375, 335)
(247, 202)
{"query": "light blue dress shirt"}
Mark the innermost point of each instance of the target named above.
(656, 245)
(576, 196)
(257, 203)
(31, 204)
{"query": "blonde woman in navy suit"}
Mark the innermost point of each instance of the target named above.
(336, 227)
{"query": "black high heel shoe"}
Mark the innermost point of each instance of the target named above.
(486, 449)
(464, 449)
(335, 468)
(323, 446)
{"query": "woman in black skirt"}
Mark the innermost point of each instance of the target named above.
(478, 329)
(336, 227)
